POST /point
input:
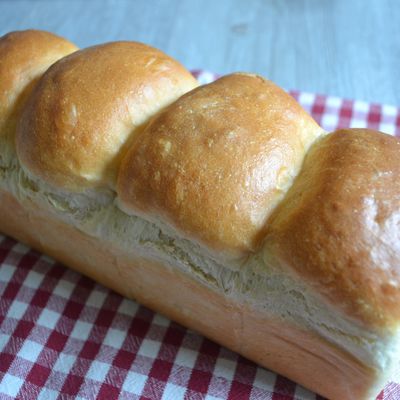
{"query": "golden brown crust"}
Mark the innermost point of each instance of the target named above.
(213, 166)
(24, 57)
(87, 106)
(215, 163)
(286, 348)
(339, 225)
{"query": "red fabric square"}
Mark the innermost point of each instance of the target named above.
(124, 359)
(89, 350)
(11, 291)
(199, 381)
(72, 385)
(139, 327)
(40, 298)
(174, 336)
(283, 387)
(108, 392)
(28, 260)
(73, 309)
(161, 370)
(23, 329)
(346, 111)
(5, 361)
(38, 374)
(104, 318)
(239, 391)
(56, 341)
(374, 117)
(210, 348)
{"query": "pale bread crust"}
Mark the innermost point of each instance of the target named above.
(286, 348)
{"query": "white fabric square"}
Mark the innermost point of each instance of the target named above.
(389, 111)
(64, 363)
(161, 320)
(114, 338)
(6, 272)
(334, 102)
(3, 340)
(358, 123)
(306, 99)
(149, 348)
(20, 248)
(206, 77)
(48, 318)
(173, 392)
(225, 368)
(10, 385)
(96, 299)
(33, 279)
(209, 397)
(387, 128)
(186, 357)
(98, 371)
(128, 307)
(64, 289)
(46, 259)
(134, 383)
(48, 394)
(30, 351)
(81, 330)
(264, 380)
(361, 106)
(17, 309)
(304, 394)
(330, 121)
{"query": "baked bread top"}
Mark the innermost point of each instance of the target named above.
(215, 163)
(88, 107)
(339, 225)
(221, 166)
(24, 57)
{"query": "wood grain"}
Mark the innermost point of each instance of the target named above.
(349, 48)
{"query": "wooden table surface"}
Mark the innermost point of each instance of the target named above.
(349, 48)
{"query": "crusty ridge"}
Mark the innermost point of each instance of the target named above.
(215, 163)
(211, 167)
(25, 56)
(339, 225)
(88, 106)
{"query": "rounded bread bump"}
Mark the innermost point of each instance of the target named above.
(215, 163)
(88, 106)
(24, 57)
(338, 228)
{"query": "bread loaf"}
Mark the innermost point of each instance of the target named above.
(224, 206)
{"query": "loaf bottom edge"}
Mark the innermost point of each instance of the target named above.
(288, 349)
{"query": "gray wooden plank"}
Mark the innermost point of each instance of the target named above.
(349, 48)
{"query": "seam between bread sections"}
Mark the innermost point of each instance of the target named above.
(271, 292)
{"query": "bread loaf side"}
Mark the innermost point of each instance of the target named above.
(229, 191)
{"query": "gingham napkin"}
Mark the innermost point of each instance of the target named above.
(62, 336)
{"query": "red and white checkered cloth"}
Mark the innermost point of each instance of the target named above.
(63, 336)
